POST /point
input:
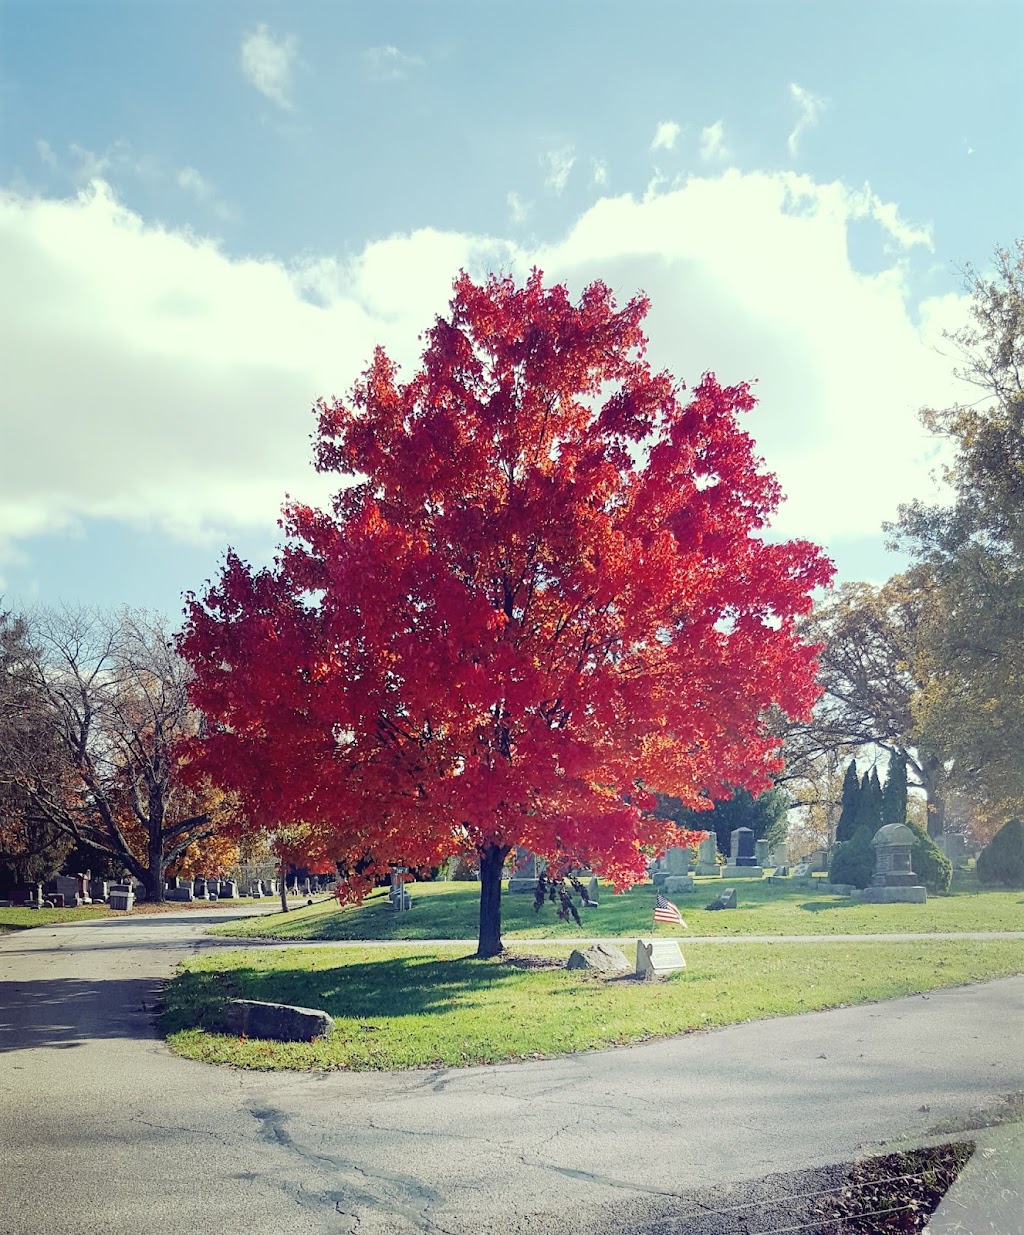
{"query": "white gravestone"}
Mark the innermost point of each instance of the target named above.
(657, 957)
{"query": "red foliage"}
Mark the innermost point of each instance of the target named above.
(544, 595)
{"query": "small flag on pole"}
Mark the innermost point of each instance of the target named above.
(665, 911)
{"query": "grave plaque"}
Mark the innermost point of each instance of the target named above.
(657, 957)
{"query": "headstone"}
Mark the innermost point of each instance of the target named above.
(727, 900)
(599, 957)
(525, 871)
(802, 870)
(179, 894)
(742, 851)
(98, 889)
(256, 891)
(707, 855)
(227, 890)
(677, 884)
(121, 896)
(817, 859)
(677, 860)
(199, 888)
(657, 957)
(591, 885)
(761, 853)
(894, 880)
(742, 862)
(67, 886)
(779, 854)
(954, 846)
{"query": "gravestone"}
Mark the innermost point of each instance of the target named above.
(256, 891)
(761, 853)
(525, 871)
(817, 859)
(182, 893)
(727, 900)
(67, 886)
(657, 957)
(802, 870)
(707, 855)
(227, 890)
(674, 885)
(742, 862)
(98, 889)
(779, 854)
(893, 881)
(954, 846)
(592, 891)
(121, 896)
(676, 860)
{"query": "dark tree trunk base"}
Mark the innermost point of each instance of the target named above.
(492, 859)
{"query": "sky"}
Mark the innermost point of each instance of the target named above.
(211, 213)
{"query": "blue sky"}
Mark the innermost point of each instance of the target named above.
(209, 213)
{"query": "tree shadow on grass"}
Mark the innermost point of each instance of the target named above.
(820, 906)
(397, 986)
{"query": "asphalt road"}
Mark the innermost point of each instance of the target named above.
(103, 1131)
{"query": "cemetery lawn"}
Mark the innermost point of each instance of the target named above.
(437, 1007)
(19, 919)
(450, 911)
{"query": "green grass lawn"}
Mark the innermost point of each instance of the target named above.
(18, 919)
(450, 911)
(415, 1007)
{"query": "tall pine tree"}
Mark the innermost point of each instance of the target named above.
(894, 795)
(851, 801)
(869, 806)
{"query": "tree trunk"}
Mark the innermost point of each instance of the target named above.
(492, 859)
(936, 802)
(284, 888)
(153, 880)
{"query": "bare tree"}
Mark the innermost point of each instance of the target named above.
(115, 693)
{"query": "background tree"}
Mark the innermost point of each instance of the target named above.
(894, 795)
(31, 849)
(869, 804)
(974, 551)
(544, 595)
(765, 815)
(113, 694)
(850, 802)
(874, 674)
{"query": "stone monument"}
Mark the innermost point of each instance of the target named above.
(742, 861)
(707, 855)
(894, 880)
(525, 871)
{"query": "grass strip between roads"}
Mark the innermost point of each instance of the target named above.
(416, 1007)
(451, 910)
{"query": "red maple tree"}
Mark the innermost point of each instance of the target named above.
(543, 596)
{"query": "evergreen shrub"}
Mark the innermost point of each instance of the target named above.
(1002, 859)
(930, 864)
(853, 861)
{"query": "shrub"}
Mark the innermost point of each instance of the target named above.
(1002, 859)
(930, 864)
(853, 861)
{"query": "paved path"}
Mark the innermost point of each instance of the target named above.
(102, 1130)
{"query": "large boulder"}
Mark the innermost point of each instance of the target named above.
(599, 957)
(280, 1021)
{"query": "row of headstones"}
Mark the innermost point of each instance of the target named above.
(527, 869)
(747, 859)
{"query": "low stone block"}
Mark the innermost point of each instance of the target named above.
(599, 957)
(179, 894)
(744, 872)
(280, 1021)
(676, 884)
(521, 886)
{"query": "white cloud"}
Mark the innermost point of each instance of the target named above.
(46, 154)
(712, 143)
(518, 210)
(665, 135)
(389, 64)
(811, 107)
(194, 183)
(160, 381)
(267, 64)
(599, 172)
(558, 164)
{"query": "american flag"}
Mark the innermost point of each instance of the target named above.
(665, 911)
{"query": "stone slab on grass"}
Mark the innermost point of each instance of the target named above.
(279, 1021)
